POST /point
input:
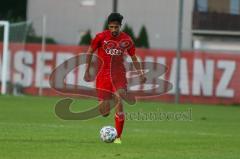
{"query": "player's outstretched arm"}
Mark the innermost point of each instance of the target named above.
(138, 67)
(87, 77)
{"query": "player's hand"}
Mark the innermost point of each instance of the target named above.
(143, 79)
(87, 76)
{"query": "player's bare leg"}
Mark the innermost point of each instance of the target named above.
(119, 115)
(129, 98)
(104, 107)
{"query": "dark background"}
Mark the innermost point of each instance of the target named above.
(13, 10)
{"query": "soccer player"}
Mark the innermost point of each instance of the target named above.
(112, 45)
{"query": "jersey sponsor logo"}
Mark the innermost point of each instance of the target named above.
(116, 48)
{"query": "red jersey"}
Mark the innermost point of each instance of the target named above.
(111, 51)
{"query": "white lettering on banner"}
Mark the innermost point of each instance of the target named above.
(42, 70)
(24, 72)
(70, 77)
(184, 81)
(210, 77)
(203, 78)
(8, 66)
(161, 60)
(228, 68)
(149, 68)
(151, 71)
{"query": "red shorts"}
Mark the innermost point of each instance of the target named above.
(106, 86)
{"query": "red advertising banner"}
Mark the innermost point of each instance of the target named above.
(211, 78)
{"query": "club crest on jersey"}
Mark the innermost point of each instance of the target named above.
(116, 48)
(125, 44)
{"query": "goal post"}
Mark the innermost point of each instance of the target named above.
(14, 38)
(5, 56)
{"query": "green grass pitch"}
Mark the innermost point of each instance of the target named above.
(29, 129)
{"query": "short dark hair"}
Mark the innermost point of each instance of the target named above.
(115, 17)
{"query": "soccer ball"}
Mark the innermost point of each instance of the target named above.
(108, 134)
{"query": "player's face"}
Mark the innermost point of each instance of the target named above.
(114, 27)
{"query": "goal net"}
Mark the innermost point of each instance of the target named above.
(14, 57)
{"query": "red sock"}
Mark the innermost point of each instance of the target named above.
(119, 122)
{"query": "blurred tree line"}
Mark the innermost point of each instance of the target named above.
(16, 11)
(13, 10)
